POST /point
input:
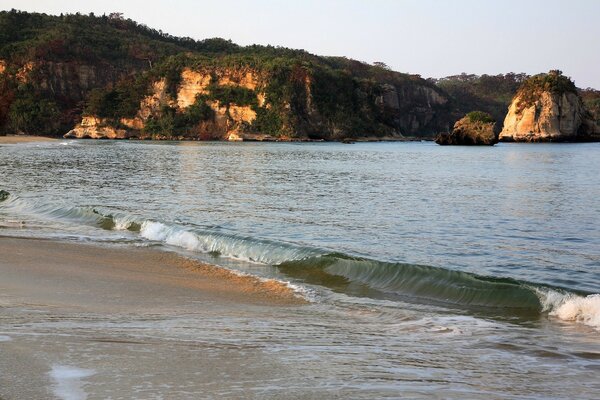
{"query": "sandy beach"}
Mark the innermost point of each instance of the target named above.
(76, 321)
(16, 139)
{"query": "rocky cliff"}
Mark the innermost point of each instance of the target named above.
(547, 108)
(190, 98)
(111, 77)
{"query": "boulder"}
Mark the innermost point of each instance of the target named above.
(92, 127)
(474, 129)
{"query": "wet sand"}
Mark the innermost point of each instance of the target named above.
(16, 139)
(83, 321)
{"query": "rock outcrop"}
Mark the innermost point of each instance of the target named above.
(151, 85)
(241, 109)
(474, 129)
(96, 128)
(548, 108)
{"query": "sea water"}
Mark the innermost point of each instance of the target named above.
(467, 270)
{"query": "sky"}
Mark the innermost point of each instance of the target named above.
(433, 38)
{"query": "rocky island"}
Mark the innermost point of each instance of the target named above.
(548, 108)
(474, 129)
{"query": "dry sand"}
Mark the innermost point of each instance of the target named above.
(16, 139)
(82, 321)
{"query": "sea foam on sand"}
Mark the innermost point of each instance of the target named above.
(68, 382)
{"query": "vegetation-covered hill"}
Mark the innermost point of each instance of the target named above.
(139, 82)
(489, 93)
(57, 68)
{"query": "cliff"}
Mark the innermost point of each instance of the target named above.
(548, 108)
(111, 77)
(190, 97)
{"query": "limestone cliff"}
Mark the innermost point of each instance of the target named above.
(96, 128)
(243, 103)
(110, 77)
(548, 108)
(227, 120)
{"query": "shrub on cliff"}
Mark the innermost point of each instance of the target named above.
(33, 115)
(554, 82)
(233, 95)
(480, 116)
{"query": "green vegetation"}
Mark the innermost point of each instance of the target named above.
(591, 99)
(104, 65)
(170, 122)
(480, 116)
(227, 94)
(61, 67)
(554, 82)
(123, 100)
(490, 93)
(33, 115)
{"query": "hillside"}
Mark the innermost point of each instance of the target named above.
(489, 93)
(124, 77)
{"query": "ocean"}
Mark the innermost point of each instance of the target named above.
(456, 272)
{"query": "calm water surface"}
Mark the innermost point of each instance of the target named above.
(456, 271)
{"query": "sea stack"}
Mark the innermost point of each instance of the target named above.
(547, 108)
(474, 129)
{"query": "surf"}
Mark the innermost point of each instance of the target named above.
(343, 273)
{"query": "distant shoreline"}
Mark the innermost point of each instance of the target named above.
(16, 139)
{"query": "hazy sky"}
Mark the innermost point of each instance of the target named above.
(433, 38)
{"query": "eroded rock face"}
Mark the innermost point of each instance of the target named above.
(159, 97)
(96, 128)
(551, 117)
(413, 108)
(192, 84)
(469, 133)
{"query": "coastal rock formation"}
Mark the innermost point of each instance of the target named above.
(476, 128)
(136, 82)
(238, 104)
(192, 84)
(547, 108)
(96, 128)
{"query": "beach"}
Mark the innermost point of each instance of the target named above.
(173, 269)
(16, 139)
(69, 295)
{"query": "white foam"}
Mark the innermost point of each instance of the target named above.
(123, 223)
(69, 384)
(238, 248)
(4, 338)
(154, 230)
(571, 307)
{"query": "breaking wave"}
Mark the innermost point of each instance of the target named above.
(343, 273)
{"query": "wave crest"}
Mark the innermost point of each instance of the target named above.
(572, 307)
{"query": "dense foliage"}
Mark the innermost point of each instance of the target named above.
(232, 95)
(480, 116)
(554, 82)
(490, 93)
(591, 99)
(57, 68)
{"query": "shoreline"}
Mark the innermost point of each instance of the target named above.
(82, 320)
(17, 139)
(91, 267)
